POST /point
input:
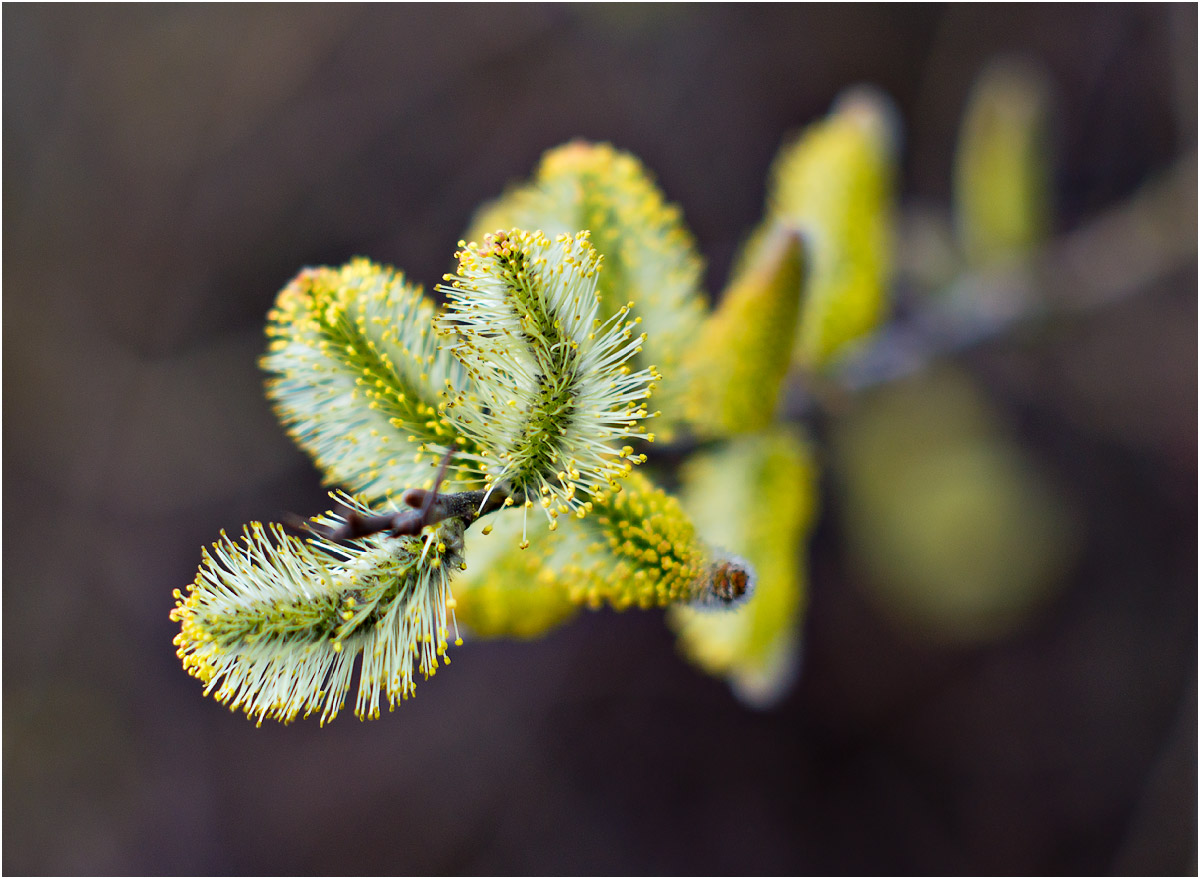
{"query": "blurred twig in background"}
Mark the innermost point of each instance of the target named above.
(1119, 254)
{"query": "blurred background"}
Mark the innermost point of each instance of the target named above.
(168, 168)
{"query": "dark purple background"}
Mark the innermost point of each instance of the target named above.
(167, 169)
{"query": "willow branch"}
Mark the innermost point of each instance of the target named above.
(1110, 258)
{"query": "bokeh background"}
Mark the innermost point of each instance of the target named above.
(168, 168)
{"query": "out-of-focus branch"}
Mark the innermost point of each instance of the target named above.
(1129, 248)
(1116, 255)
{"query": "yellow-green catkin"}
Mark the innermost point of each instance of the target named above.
(635, 548)
(275, 625)
(958, 535)
(355, 371)
(741, 357)
(650, 256)
(757, 496)
(1002, 166)
(553, 402)
(835, 184)
(639, 548)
